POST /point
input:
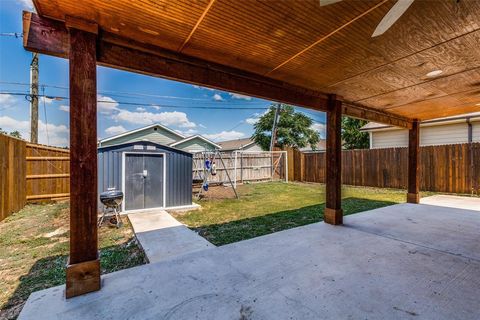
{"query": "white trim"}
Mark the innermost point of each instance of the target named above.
(141, 129)
(193, 137)
(164, 179)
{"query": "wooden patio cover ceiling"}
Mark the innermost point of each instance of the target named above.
(328, 49)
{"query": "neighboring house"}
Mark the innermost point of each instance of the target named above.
(321, 146)
(246, 144)
(450, 130)
(162, 135)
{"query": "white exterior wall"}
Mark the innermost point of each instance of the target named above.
(429, 135)
(389, 139)
(476, 131)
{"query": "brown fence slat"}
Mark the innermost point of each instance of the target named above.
(12, 175)
(445, 168)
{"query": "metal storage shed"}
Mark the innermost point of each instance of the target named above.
(150, 175)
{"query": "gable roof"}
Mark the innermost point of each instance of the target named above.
(236, 144)
(475, 116)
(141, 129)
(193, 137)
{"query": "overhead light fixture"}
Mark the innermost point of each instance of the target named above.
(478, 104)
(434, 73)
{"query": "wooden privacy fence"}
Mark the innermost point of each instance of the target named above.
(446, 168)
(244, 166)
(48, 172)
(12, 175)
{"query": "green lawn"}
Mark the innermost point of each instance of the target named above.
(264, 208)
(34, 244)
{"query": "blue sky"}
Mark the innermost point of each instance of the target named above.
(127, 100)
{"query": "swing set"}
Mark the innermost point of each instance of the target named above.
(209, 169)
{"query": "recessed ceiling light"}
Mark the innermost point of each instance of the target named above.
(434, 73)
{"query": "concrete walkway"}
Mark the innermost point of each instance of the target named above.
(162, 237)
(400, 262)
(469, 203)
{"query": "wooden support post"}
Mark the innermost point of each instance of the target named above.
(333, 209)
(83, 270)
(413, 195)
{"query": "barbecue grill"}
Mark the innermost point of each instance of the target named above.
(112, 200)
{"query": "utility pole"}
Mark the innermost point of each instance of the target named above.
(34, 99)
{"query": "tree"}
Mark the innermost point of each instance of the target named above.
(352, 137)
(2, 131)
(16, 134)
(293, 129)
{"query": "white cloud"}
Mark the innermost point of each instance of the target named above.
(320, 128)
(202, 126)
(106, 105)
(64, 108)
(240, 96)
(173, 118)
(189, 132)
(140, 109)
(202, 88)
(7, 100)
(156, 107)
(46, 100)
(28, 4)
(57, 134)
(114, 130)
(225, 135)
(217, 97)
(251, 121)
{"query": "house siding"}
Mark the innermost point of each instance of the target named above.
(429, 135)
(476, 131)
(195, 145)
(178, 171)
(158, 136)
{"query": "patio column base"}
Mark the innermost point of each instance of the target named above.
(413, 197)
(333, 216)
(82, 277)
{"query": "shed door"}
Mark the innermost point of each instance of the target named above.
(143, 181)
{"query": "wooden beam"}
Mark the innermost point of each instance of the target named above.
(83, 270)
(333, 206)
(51, 37)
(413, 195)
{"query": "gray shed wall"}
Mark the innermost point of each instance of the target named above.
(178, 171)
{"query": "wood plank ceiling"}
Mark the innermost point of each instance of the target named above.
(328, 48)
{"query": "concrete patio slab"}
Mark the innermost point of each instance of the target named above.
(162, 237)
(319, 271)
(469, 203)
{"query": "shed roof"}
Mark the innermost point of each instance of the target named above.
(328, 49)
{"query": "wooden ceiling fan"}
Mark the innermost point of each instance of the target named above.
(388, 20)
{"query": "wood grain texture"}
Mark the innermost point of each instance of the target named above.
(53, 164)
(413, 162)
(12, 175)
(83, 147)
(333, 178)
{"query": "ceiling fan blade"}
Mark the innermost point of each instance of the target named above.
(328, 2)
(392, 16)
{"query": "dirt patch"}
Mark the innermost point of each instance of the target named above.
(215, 192)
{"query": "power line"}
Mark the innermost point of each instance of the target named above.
(138, 104)
(11, 34)
(128, 94)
